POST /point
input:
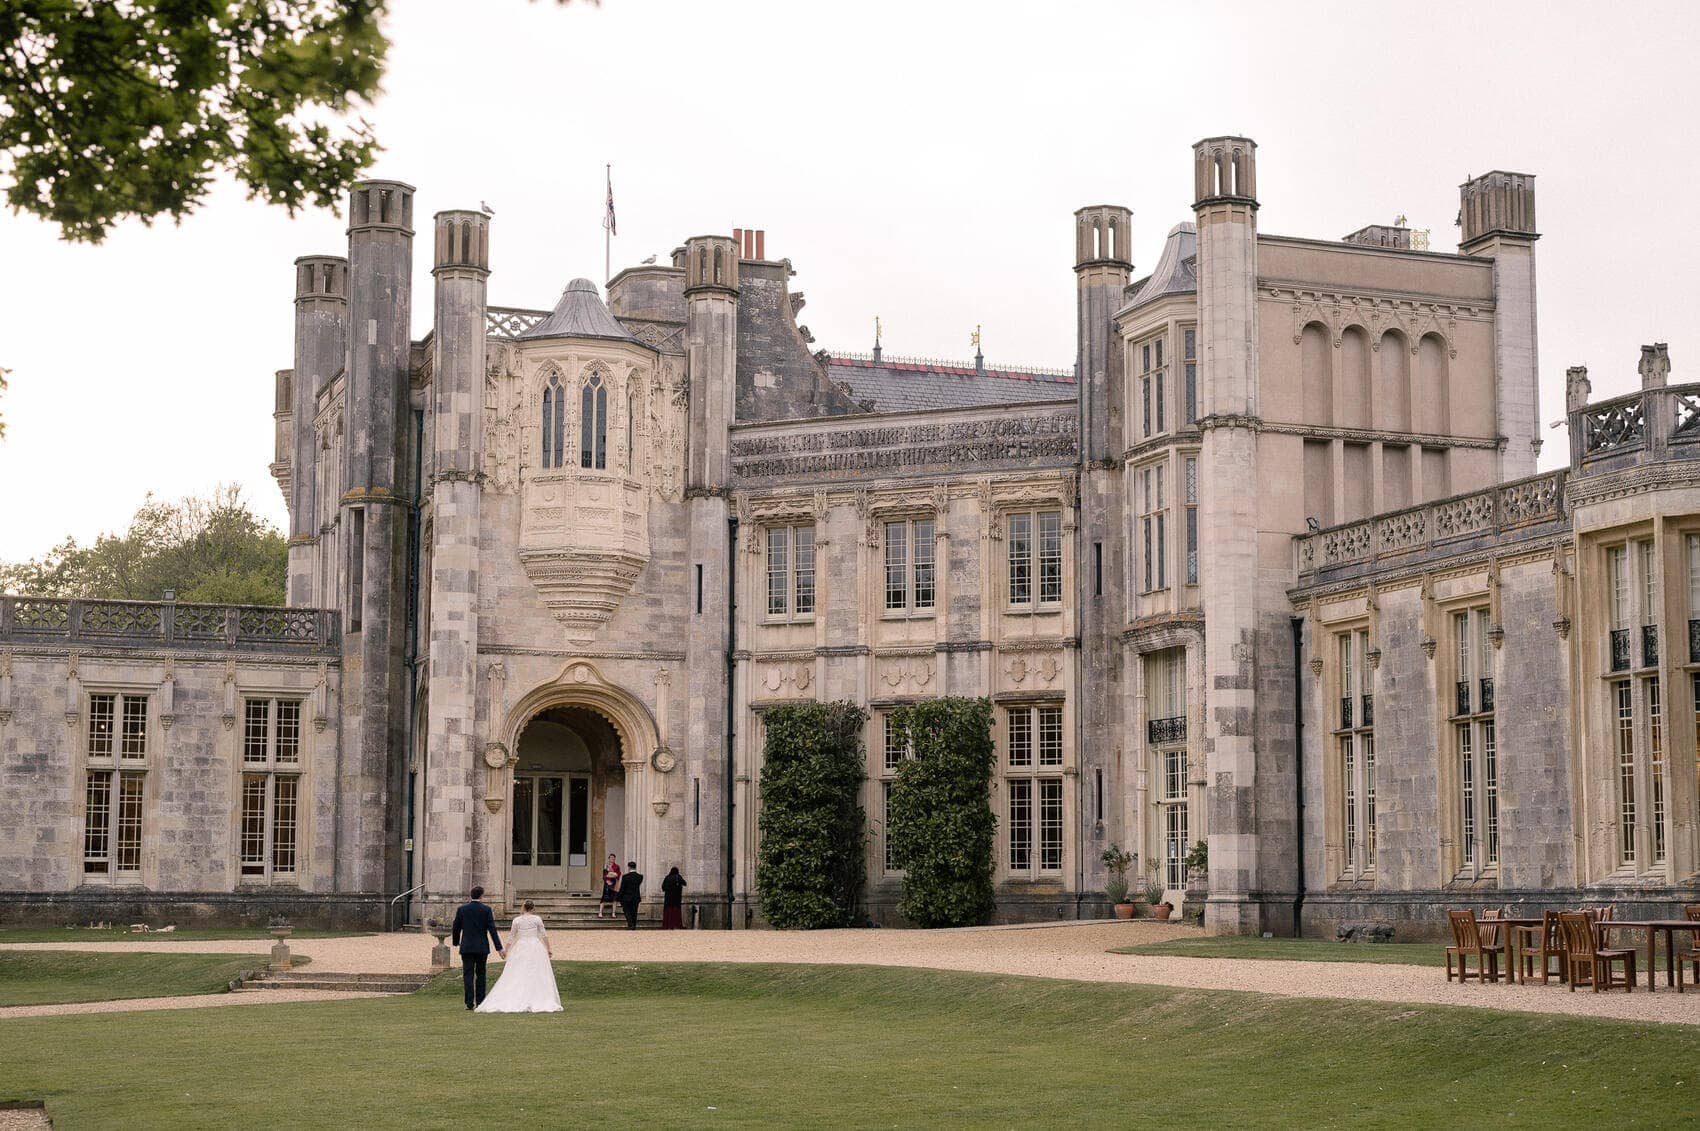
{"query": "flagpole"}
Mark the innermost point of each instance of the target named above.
(607, 232)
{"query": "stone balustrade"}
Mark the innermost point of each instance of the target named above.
(1651, 420)
(25, 619)
(1507, 507)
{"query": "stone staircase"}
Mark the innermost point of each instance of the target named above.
(562, 912)
(328, 980)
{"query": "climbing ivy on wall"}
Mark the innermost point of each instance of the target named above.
(940, 824)
(810, 867)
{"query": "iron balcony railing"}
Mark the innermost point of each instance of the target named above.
(1162, 731)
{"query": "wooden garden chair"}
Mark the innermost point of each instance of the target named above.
(1691, 956)
(1467, 942)
(1582, 952)
(1544, 945)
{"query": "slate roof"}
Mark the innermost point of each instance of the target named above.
(1176, 272)
(914, 385)
(579, 314)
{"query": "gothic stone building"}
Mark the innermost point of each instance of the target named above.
(1270, 568)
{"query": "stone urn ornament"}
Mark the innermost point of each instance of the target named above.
(440, 960)
(280, 930)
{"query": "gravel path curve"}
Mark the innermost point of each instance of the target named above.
(1071, 950)
(191, 1001)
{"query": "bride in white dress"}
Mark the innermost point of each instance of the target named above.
(527, 984)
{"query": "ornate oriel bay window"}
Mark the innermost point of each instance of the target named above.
(270, 822)
(1153, 527)
(791, 572)
(116, 764)
(1634, 710)
(1354, 754)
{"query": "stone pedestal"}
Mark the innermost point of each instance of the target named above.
(280, 948)
(440, 959)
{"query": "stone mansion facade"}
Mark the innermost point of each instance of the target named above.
(1270, 567)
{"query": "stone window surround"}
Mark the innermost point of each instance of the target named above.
(1037, 603)
(118, 765)
(298, 769)
(909, 516)
(1605, 753)
(791, 523)
(1156, 525)
(1361, 869)
(1067, 774)
(624, 382)
(1479, 870)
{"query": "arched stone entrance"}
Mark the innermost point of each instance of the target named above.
(576, 784)
(568, 802)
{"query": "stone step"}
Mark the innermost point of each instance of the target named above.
(384, 983)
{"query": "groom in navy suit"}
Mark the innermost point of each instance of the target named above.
(474, 932)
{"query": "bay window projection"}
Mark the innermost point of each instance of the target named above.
(910, 549)
(1035, 557)
(1475, 742)
(116, 755)
(1166, 735)
(1151, 373)
(1033, 761)
(1354, 740)
(271, 789)
(1153, 528)
(791, 572)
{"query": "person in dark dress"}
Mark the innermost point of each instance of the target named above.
(610, 886)
(673, 901)
(631, 893)
(474, 932)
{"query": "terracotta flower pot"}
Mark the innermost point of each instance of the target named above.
(1124, 910)
(1162, 911)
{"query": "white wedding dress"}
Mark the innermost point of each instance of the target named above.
(527, 983)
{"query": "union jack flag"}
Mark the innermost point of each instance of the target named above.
(608, 220)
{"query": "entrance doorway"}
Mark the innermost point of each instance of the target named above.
(567, 802)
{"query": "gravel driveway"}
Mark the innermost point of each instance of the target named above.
(1072, 950)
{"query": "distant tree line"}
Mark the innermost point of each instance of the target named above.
(213, 549)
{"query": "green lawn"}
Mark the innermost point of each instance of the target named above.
(186, 934)
(1299, 950)
(49, 977)
(698, 1044)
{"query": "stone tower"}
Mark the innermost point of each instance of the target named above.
(373, 518)
(1103, 260)
(1497, 217)
(1225, 207)
(711, 349)
(321, 345)
(461, 269)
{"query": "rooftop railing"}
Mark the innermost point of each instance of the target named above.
(1649, 420)
(510, 322)
(945, 363)
(1496, 510)
(46, 619)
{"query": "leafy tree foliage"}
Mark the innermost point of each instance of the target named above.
(811, 867)
(941, 824)
(214, 550)
(111, 110)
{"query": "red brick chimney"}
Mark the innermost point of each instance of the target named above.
(752, 242)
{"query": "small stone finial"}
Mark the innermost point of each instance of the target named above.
(877, 330)
(1576, 388)
(1655, 365)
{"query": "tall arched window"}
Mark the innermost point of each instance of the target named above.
(593, 423)
(631, 428)
(554, 422)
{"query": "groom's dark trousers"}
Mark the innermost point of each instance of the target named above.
(474, 932)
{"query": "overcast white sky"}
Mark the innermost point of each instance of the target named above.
(920, 161)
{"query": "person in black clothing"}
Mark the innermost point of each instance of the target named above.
(474, 931)
(631, 893)
(673, 901)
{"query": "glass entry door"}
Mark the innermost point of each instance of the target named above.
(551, 832)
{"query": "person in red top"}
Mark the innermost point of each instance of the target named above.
(610, 886)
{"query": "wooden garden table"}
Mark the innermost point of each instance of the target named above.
(1653, 927)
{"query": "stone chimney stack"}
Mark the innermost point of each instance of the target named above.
(373, 522)
(460, 268)
(1655, 366)
(1496, 216)
(321, 346)
(1103, 260)
(711, 348)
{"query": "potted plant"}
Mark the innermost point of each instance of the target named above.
(1117, 859)
(1160, 908)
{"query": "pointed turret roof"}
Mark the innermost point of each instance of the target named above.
(1176, 270)
(579, 314)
